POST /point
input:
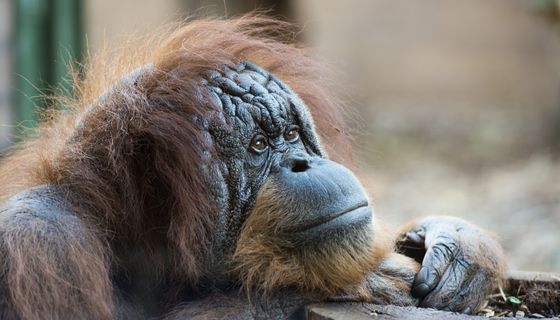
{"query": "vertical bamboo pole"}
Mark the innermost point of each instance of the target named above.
(48, 36)
(32, 55)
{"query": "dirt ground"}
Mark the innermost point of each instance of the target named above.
(519, 201)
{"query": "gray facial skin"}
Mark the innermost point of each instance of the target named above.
(253, 104)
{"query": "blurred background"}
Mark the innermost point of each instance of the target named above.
(458, 101)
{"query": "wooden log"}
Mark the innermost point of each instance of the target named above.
(516, 281)
(366, 311)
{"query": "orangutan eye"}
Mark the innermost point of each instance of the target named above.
(292, 134)
(259, 144)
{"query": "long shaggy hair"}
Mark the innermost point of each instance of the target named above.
(125, 148)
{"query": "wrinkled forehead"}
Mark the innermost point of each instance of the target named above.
(250, 97)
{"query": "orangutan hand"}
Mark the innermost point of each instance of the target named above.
(461, 263)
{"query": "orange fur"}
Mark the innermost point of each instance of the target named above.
(266, 261)
(129, 167)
